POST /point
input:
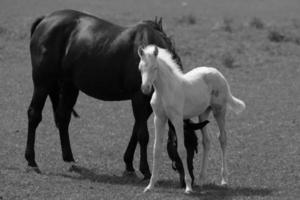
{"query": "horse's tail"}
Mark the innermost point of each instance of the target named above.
(35, 24)
(235, 104)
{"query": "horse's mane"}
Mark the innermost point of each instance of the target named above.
(165, 56)
(156, 24)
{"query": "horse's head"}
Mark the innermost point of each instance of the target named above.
(191, 144)
(148, 67)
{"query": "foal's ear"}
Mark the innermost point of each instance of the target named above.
(155, 52)
(140, 51)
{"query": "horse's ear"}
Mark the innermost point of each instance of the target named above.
(140, 51)
(160, 23)
(155, 52)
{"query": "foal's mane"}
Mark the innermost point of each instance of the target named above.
(165, 56)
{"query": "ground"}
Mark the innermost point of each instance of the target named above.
(261, 63)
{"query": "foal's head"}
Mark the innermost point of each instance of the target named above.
(148, 67)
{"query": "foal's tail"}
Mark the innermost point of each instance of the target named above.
(235, 104)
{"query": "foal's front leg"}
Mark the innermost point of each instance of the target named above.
(160, 124)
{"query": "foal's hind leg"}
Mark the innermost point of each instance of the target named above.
(34, 118)
(219, 115)
(206, 147)
(141, 111)
(67, 100)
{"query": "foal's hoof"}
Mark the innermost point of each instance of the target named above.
(188, 191)
(224, 183)
(33, 169)
(129, 174)
(148, 188)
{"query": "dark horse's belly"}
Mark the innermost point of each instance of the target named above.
(105, 82)
(105, 92)
(106, 96)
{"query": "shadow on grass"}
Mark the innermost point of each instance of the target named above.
(93, 176)
(210, 191)
(213, 191)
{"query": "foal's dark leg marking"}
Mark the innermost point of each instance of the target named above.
(141, 111)
(67, 100)
(34, 118)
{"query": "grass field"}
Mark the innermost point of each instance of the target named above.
(255, 45)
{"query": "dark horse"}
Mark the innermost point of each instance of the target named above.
(72, 51)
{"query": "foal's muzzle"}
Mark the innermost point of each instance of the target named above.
(146, 89)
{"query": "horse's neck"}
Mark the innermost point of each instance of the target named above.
(167, 81)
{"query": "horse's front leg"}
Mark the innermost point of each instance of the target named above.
(177, 121)
(141, 111)
(159, 124)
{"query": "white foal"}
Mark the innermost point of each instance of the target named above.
(179, 96)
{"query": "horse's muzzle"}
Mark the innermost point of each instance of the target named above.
(146, 89)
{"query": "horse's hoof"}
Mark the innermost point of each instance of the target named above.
(33, 169)
(73, 168)
(202, 181)
(182, 185)
(129, 174)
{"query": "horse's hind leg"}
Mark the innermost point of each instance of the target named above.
(34, 118)
(54, 97)
(219, 115)
(206, 147)
(67, 99)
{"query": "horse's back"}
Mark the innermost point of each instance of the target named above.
(51, 34)
(54, 36)
(60, 24)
